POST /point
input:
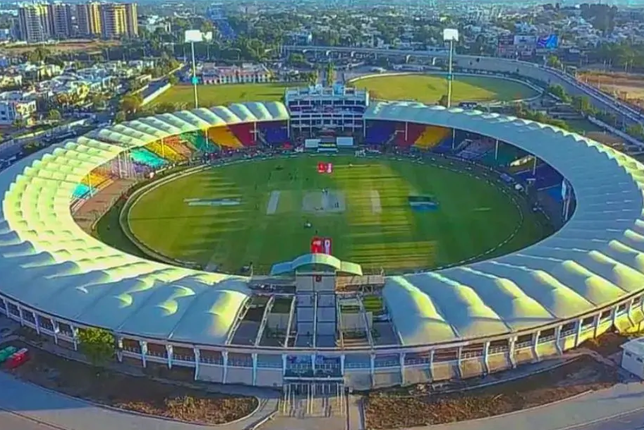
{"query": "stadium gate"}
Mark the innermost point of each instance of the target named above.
(312, 398)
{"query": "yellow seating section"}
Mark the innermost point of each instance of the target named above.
(222, 136)
(431, 137)
(166, 152)
(95, 179)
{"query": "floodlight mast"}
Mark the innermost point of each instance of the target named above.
(193, 36)
(194, 75)
(451, 35)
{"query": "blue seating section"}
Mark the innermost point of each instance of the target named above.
(445, 146)
(546, 176)
(274, 134)
(379, 132)
(143, 156)
(82, 191)
(554, 193)
(476, 150)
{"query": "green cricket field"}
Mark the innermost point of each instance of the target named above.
(267, 211)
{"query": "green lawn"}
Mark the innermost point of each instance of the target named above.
(215, 95)
(473, 216)
(429, 88)
(582, 126)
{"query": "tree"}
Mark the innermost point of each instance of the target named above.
(636, 131)
(97, 100)
(38, 55)
(54, 115)
(555, 62)
(173, 80)
(62, 99)
(120, 117)
(97, 345)
(559, 92)
(19, 123)
(296, 59)
(130, 103)
(583, 105)
(330, 75)
(443, 100)
(165, 108)
(312, 78)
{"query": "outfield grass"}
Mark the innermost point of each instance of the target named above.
(429, 88)
(473, 216)
(215, 95)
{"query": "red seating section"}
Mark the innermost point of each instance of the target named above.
(244, 133)
(414, 131)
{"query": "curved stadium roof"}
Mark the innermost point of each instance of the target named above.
(48, 263)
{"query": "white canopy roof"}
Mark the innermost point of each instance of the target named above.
(50, 264)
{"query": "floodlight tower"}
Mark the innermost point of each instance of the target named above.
(450, 35)
(193, 36)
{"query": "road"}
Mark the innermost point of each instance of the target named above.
(9, 421)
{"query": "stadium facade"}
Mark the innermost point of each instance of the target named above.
(315, 317)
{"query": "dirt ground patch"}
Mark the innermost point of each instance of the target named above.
(626, 86)
(85, 46)
(410, 407)
(606, 138)
(131, 393)
(607, 344)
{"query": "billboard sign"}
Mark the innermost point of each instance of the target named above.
(525, 40)
(321, 245)
(548, 42)
(193, 36)
(325, 168)
(506, 40)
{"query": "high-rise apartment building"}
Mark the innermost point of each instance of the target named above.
(33, 23)
(40, 22)
(113, 20)
(88, 18)
(132, 17)
(60, 20)
(119, 20)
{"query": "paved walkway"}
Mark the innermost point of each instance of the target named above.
(38, 405)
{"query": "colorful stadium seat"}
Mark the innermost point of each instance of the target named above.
(179, 146)
(379, 132)
(147, 158)
(243, 133)
(273, 133)
(82, 191)
(222, 136)
(431, 137)
(95, 179)
(165, 152)
(199, 142)
(474, 150)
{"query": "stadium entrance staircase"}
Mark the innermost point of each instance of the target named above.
(309, 398)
